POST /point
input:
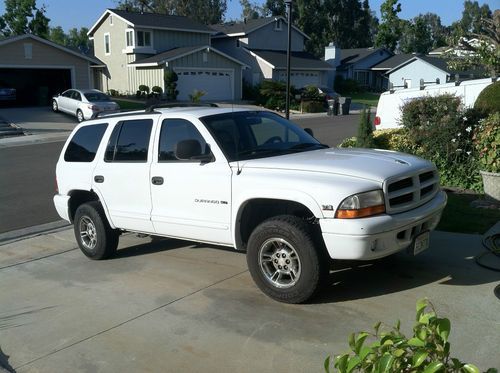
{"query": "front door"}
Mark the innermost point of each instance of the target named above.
(122, 177)
(191, 199)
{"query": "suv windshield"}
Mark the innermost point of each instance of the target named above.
(96, 97)
(258, 134)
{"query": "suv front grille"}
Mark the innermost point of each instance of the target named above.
(410, 191)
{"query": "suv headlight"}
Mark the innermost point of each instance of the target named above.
(361, 205)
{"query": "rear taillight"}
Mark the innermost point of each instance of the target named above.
(93, 107)
(57, 187)
(377, 121)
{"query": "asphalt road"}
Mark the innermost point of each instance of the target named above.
(27, 181)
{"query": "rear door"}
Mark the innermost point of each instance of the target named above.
(191, 200)
(122, 177)
(64, 101)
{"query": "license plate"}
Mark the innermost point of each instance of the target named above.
(421, 243)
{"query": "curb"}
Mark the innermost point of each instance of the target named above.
(37, 230)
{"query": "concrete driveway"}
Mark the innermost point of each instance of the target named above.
(173, 306)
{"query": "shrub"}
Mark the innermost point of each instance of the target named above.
(138, 94)
(311, 93)
(345, 86)
(365, 131)
(250, 92)
(390, 139)
(488, 100)
(144, 89)
(487, 143)
(350, 142)
(428, 350)
(312, 107)
(196, 95)
(113, 93)
(170, 78)
(158, 91)
(274, 95)
(440, 130)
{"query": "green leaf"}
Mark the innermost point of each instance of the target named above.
(419, 358)
(398, 353)
(352, 341)
(422, 334)
(353, 363)
(364, 352)
(327, 364)
(492, 370)
(470, 368)
(416, 342)
(377, 327)
(398, 325)
(360, 339)
(433, 367)
(385, 363)
(426, 318)
(456, 363)
(443, 328)
(421, 305)
(341, 363)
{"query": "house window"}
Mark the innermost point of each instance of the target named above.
(107, 46)
(143, 38)
(28, 51)
(130, 38)
(277, 27)
(111, 20)
(361, 77)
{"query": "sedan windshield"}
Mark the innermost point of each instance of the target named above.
(258, 134)
(96, 97)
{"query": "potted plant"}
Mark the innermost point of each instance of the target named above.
(487, 144)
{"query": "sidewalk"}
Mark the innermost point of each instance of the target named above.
(170, 305)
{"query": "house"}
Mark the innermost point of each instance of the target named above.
(357, 64)
(409, 71)
(38, 68)
(262, 44)
(137, 48)
(390, 63)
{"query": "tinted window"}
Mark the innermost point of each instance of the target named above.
(129, 141)
(67, 94)
(84, 143)
(96, 97)
(77, 96)
(173, 131)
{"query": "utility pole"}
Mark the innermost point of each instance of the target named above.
(288, 58)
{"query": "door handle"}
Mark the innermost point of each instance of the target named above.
(157, 180)
(99, 179)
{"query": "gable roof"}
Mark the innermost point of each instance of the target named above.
(437, 62)
(393, 61)
(72, 51)
(153, 21)
(354, 55)
(246, 27)
(176, 53)
(299, 60)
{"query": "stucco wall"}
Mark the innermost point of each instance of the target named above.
(415, 71)
(46, 56)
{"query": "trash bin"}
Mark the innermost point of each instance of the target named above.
(333, 106)
(345, 102)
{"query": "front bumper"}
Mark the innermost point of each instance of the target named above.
(382, 235)
(61, 203)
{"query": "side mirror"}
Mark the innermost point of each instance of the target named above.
(189, 150)
(309, 131)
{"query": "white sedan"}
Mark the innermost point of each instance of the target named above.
(83, 103)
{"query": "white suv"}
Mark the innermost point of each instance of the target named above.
(245, 179)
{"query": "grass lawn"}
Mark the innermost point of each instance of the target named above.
(366, 98)
(127, 105)
(459, 216)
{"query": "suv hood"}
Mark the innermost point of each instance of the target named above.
(372, 164)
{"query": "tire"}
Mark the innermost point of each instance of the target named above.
(284, 260)
(55, 108)
(79, 116)
(95, 237)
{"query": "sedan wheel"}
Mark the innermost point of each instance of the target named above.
(55, 108)
(79, 116)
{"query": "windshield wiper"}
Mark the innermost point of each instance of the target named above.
(259, 151)
(306, 145)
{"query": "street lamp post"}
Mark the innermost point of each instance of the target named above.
(288, 58)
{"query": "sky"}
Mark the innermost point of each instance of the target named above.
(84, 13)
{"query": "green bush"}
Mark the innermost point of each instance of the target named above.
(311, 93)
(157, 90)
(274, 95)
(197, 95)
(365, 131)
(170, 78)
(144, 88)
(488, 100)
(427, 351)
(312, 107)
(346, 86)
(390, 139)
(113, 93)
(487, 143)
(250, 92)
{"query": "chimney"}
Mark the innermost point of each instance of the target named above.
(332, 57)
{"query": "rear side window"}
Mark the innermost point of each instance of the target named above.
(84, 144)
(174, 131)
(129, 141)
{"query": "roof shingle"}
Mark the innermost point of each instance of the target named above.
(299, 60)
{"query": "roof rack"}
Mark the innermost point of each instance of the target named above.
(171, 105)
(116, 113)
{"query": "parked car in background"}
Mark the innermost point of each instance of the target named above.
(83, 103)
(6, 92)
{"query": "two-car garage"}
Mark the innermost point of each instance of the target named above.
(38, 69)
(215, 84)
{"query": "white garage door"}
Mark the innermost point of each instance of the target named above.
(300, 79)
(217, 84)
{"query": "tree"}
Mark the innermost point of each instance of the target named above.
(204, 11)
(275, 8)
(250, 10)
(416, 36)
(58, 36)
(389, 31)
(79, 39)
(22, 17)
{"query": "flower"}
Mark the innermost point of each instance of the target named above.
(468, 129)
(453, 140)
(468, 153)
(459, 150)
(465, 119)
